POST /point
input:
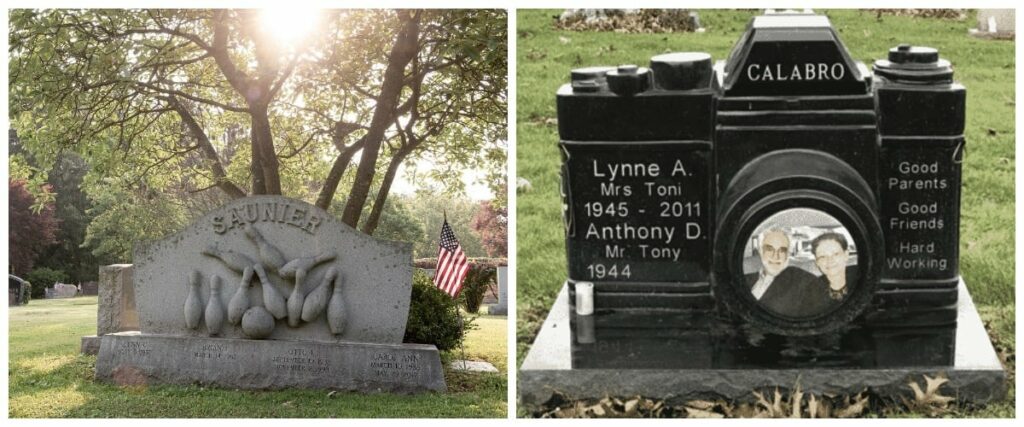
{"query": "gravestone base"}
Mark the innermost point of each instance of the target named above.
(975, 377)
(90, 344)
(134, 359)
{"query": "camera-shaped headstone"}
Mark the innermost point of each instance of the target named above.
(788, 186)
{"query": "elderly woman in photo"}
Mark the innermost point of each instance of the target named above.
(831, 255)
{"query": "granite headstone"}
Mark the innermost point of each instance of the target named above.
(271, 292)
(785, 211)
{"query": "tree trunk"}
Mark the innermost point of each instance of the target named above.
(402, 52)
(259, 186)
(207, 150)
(334, 176)
(382, 195)
(263, 143)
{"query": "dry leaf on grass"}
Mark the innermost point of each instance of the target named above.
(701, 413)
(853, 408)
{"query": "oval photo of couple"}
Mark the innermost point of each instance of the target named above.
(800, 263)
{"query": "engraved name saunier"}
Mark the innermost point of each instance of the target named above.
(787, 72)
(252, 212)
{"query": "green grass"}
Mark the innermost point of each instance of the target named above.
(48, 378)
(545, 56)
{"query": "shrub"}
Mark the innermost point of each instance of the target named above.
(26, 293)
(432, 316)
(42, 278)
(479, 278)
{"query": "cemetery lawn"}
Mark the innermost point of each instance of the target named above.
(986, 67)
(48, 378)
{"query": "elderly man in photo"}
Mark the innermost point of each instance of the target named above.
(778, 286)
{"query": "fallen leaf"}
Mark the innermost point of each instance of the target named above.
(854, 408)
(796, 400)
(700, 413)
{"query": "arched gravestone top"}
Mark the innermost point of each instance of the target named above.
(375, 275)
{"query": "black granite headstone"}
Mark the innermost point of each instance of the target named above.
(788, 192)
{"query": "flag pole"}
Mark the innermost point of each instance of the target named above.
(462, 334)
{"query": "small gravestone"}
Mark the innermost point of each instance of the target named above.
(268, 292)
(995, 23)
(64, 290)
(115, 310)
(785, 218)
(501, 308)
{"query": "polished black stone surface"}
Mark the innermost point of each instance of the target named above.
(662, 339)
(557, 363)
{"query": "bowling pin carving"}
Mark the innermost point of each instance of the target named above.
(336, 309)
(271, 257)
(193, 302)
(214, 308)
(233, 260)
(305, 263)
(240, 301)
(295, 300)
(317, 300)
(272, 299)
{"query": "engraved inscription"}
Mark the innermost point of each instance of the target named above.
(389, 366)
(808, 71)
(135, 349)
(302, 360)
(282, 213)
(916, 216)
(639, 218)
(213, 352)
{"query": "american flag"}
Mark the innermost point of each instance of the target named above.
(451, 263)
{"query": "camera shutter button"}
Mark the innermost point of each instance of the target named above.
(907, 54)
(628, 80)
(915, 65)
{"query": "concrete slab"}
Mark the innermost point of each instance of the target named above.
(134, 359)
(975, 377)
(472, 366)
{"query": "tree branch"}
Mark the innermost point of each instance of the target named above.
(207, 150)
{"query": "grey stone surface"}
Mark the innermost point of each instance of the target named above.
(976, 376)
(90, 344)
(62, 290)
(374, 275)
(997, 21)
(133, 359)
(473, 366)
(502, 306)
(116, 309)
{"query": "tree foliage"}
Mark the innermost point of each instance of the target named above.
(71, 209)
(430, 207)
(30, 232)
(177, 101)
(491, 224)
(42, 278)
(121, 218)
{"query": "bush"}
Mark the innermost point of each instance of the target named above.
(482, 274)
(42, 278)
(432, 316)
(26, 293)
(479, 278)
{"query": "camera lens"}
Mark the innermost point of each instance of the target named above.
(798, 249)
